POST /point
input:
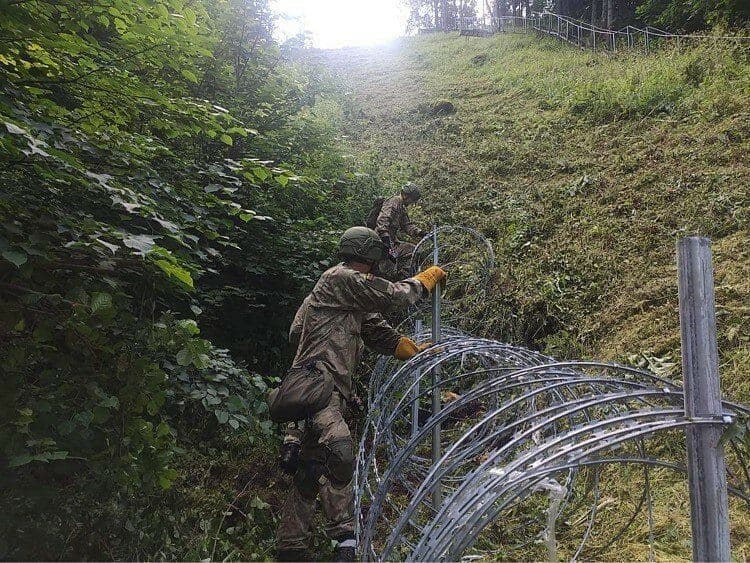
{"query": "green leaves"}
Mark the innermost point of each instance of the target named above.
(189, 75)
(189, 326)
(100, 301)
(195, 352)
(141, 244)
(44, 457)
(176, 273)
(15, 257)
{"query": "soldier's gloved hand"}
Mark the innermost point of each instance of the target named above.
(407, 348)
(431, 277)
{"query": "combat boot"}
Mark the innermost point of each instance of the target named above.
(291, 555)
(346, 550)
(348, 553)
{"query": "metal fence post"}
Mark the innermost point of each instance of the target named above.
(417, 376)
(709, 506)
(437, 494)
(647, 42)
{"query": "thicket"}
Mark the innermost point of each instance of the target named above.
(166, 195)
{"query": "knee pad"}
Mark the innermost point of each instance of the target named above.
(340, 461)
(307, 478)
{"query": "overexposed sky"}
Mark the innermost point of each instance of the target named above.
(342, 23)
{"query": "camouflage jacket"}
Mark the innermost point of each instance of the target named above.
(394, 219)
(341, 315)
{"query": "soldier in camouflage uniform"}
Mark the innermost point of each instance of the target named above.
(392, 220)
(341, 315)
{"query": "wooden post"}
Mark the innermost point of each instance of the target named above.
(709, 506)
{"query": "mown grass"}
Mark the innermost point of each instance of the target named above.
(584, 170)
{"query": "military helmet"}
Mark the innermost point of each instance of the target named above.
(412, 190)
(362, 244)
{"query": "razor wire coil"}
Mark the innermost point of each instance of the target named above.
(524, 438)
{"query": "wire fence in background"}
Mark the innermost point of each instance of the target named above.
(587, 36)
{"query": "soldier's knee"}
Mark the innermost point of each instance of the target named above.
(340, 461)
(307, 478)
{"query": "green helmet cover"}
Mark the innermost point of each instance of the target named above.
(362, 244)
(412, 190)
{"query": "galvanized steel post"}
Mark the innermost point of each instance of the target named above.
(437, 496)
(700, 367)
(417, 376)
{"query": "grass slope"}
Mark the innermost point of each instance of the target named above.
(584, 169)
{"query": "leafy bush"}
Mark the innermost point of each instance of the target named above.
(160, 166)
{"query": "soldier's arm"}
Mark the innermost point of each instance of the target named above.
(386, 217)
(295, 331)
(378, 335)
(410, 228)
(372, 294)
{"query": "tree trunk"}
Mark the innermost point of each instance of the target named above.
(610, 13)
(603, 17)
(435, 13)
(527, 8)
(444, 14)
(593, 12)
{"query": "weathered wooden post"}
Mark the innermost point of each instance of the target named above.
(709, 506)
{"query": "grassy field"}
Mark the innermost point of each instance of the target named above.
(584, 170)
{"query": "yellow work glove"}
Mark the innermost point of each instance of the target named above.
(407, 348)
(431, 277)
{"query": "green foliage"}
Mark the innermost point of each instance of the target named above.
(160, 165)
(692, 15)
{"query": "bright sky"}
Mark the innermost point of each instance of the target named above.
(343, 23)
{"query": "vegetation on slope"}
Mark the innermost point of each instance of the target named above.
(583, 169)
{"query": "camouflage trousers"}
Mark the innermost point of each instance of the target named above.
(326, 469)
(396, 268)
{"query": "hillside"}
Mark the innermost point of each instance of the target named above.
(583, 170)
